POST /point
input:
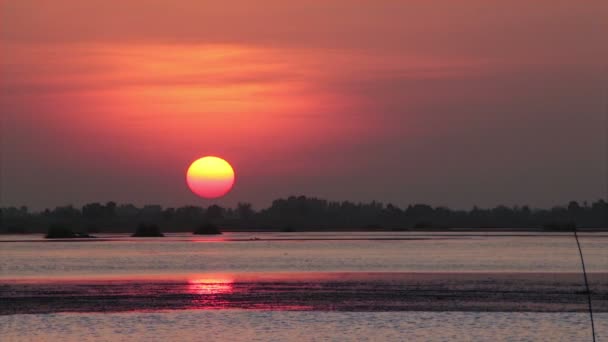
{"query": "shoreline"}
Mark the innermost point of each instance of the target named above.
(229, 236)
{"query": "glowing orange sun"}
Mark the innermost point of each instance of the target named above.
(210, 177)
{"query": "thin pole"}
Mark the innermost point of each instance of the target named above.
(580, 252)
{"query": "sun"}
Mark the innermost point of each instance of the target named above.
(210, 177)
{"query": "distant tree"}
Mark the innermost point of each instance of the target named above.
(245, 211)
(151, 211)
(93, 211)
(110, 209)
(127, 211)
(168, 214)
(189, 214)
(574, 208)
(67, 212)
(214, 212)
(301, 213)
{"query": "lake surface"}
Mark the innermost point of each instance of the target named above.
(247, 325)
(184, 254)
(302, 286)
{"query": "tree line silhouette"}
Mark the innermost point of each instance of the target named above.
(301, 214)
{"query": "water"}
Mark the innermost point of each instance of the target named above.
(241, 325)
(288, 252)
(302, 286)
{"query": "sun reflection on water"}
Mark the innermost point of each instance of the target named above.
(210, 286)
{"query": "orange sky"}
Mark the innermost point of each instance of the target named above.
(454, 103)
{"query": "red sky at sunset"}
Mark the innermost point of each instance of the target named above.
(448, 103)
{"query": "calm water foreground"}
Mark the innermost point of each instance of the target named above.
(302, 286)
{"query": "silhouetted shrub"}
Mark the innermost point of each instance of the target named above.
(560, 227)
(57, 231)
(147, 230)
(207, 229)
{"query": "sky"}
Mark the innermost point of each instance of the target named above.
(455, 103)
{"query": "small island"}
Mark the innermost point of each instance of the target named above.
(147, 230)
(207, 229)
(63, 232)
